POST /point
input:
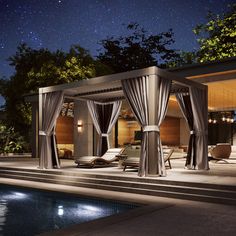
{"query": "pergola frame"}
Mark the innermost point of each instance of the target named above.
(121, 76)
(109, 88)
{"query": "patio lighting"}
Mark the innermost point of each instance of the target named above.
(80, 126)
(221, 117)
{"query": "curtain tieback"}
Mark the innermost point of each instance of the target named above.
(44, 133)
(104, 135)
(150, 128)
(192, 132)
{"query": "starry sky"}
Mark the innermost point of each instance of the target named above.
(57, 24)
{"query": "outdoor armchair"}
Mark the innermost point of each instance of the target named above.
(167, 154)
(221, 151)
(107, 158)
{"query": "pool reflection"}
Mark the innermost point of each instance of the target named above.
(30, 212)
(3, 212)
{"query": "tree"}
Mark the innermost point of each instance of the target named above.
(137, 50)
(185, 58)
(40, 68)
(10, 141)
(217, 38)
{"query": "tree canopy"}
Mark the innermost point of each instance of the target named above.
(137, 50)
(40, 68)
(217, 38)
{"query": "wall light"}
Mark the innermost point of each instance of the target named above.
(80, 126)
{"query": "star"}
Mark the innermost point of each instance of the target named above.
(45, 24)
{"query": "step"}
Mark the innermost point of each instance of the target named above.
(123, 183)
(169, 194)
(226, 197)
(123, 178)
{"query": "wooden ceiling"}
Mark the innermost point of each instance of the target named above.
(222, 95)
(219, 76)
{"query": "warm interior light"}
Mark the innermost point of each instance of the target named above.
(80, 125)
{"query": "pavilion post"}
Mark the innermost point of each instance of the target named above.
(40, 122)
(153, 95)
(148, 98)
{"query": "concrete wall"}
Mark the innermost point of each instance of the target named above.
(83, 141)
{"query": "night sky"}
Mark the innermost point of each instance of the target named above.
(57, 24)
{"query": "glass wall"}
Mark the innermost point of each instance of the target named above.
(221, 127)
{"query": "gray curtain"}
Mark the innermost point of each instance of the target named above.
(51, 107)
(200, 114)
(104, 117)
(162, 105)
(136, 91)
(186, 108)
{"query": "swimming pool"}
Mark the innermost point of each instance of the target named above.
(28, 212)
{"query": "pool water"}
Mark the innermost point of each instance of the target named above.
(29, 212)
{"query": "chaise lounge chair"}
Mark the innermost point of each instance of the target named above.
(134, 161)
(107, 158)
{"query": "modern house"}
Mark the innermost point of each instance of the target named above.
(218, 76)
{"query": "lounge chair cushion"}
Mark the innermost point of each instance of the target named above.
(86, 159)
(111, 154)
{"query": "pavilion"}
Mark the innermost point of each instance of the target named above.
(147, 92)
